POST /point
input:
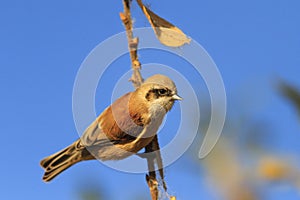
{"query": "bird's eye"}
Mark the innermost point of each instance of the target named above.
(162, 92)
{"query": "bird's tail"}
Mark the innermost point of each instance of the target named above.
(60, 161)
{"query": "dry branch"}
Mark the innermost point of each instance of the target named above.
(132, 45)
(151, 177)
(137, 80)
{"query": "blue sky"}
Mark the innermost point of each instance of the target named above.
(43, 43)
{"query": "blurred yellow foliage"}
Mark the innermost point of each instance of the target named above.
(172, 198)
(274, 169)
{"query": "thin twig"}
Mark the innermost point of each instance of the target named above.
(136, 78)
(152, 152)
(159, 161)
(151, 177)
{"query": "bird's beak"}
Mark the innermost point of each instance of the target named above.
(176, 97)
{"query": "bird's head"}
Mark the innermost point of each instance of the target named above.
(158, 92)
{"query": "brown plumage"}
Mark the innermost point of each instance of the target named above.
(123, 129)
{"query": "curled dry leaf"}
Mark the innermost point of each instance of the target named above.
(167, 33)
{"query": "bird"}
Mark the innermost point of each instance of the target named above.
(123, 129)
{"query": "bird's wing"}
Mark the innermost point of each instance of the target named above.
(114, 126)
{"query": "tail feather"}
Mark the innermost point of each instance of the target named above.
(60, 161)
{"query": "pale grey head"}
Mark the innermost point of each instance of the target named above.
(160, 90)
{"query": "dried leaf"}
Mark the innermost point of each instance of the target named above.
(167, 33)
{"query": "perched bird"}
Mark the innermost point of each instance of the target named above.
(123, 128)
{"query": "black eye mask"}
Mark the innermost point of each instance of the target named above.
(156, 93)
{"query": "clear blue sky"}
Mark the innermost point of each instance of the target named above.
(43, 43)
